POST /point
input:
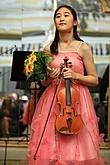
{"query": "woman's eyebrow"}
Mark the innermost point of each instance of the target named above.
(63, 13)
(66, 12)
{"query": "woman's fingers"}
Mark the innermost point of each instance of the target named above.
(67, 73)
(55, 73)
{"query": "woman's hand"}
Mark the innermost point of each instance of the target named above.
(55, 73)
(68, 73)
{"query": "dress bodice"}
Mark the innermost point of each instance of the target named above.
(74, 57)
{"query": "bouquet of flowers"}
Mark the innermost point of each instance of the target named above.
(36, 66)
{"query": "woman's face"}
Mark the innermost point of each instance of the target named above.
(64, 20)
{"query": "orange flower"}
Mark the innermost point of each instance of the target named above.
(29, 67)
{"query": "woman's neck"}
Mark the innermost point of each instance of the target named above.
(65, 41)
(66, 37)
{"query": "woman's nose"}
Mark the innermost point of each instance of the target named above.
(62, 17)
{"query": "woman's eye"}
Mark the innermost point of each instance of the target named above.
(58, 16)
(66, 15)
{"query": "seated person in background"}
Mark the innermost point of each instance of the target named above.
(16, 126)
(11, 113)
(5, 117)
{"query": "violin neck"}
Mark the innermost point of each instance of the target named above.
(68, 93)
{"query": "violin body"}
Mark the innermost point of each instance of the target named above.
(68, 120)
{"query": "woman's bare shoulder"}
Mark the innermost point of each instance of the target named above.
(46, 49)
(85, 49)
(85, 46)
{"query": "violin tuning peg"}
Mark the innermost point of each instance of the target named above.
(70, 64)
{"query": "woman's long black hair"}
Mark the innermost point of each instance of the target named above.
(54, 45)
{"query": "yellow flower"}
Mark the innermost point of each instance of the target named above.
(32, 58)
(32, 68)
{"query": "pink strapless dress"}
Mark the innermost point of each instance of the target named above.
(58, 149)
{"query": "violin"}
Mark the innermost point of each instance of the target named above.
(68, 121)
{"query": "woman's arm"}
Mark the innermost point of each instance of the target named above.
(91, 79)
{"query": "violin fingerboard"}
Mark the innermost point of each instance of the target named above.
(68, 93)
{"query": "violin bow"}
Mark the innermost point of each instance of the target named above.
(52, 103)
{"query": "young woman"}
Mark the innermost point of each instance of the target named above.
(50, 147)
